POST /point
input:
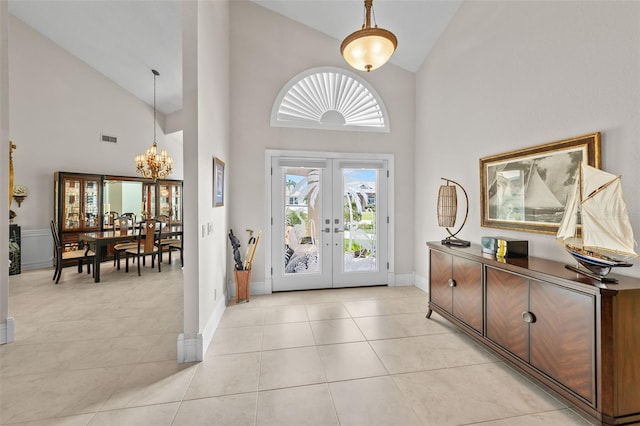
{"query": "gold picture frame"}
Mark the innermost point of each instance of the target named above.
(526, 189)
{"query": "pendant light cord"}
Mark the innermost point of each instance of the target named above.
(155, 74)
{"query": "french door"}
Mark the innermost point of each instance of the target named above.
(329, 222)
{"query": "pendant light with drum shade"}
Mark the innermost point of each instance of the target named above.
(153, 165)
(448, 212)
(369, 47)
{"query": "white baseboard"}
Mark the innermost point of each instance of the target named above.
(422, 283)
(212, 325)
(260, 287)
(189, 349)
(404, 279)
(193, 349)
(255, 288)
(7, 331)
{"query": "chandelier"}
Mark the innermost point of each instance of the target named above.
(153, 165)
(369, 47)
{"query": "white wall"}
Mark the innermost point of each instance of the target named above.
(205, 117)
(267, 50)
(59, 107)
(6, 324)
(509, 75)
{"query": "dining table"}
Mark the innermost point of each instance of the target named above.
(99, 241)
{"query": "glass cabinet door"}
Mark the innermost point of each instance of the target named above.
(80, 203)
(170, 200)
(71, 204)
(91, 204)
(165, 200)
(176, 203)
(148, 200)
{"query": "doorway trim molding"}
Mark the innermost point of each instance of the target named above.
(270, 153)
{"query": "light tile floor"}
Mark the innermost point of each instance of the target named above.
(104, 354)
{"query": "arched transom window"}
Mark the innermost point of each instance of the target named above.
(330, 98)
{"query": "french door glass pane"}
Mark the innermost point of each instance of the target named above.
(302, 209)
(360, 219)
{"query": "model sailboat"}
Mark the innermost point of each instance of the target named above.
(607, 237)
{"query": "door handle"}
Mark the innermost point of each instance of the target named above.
(336, 230)
(326, 230)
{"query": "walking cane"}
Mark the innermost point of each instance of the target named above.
(252, 240)
(253, 251)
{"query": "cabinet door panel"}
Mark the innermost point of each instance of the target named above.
(71, 204)
(440, 273)
(91, 204)
(562, 336)
(467, 294)
(507, 299)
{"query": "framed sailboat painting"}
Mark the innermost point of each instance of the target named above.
(527, 189)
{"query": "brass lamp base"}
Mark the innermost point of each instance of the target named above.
(452, 241)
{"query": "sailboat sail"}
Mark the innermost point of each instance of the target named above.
(569, 224)
(598, 198)
(538, 194)
(605, 220)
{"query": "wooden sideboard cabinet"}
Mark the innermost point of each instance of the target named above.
(456, 287)
(576, 336)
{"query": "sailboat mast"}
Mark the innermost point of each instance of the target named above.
(526, 185)
(579, 212)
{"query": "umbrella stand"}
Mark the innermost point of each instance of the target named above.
(242, 270)
(243, 284)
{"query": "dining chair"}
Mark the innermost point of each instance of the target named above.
(170, 242)
(164, 241)
(131, 215)
(176, 244)
(124, 224)
(110, 219)
(146, 245)
(69, 251)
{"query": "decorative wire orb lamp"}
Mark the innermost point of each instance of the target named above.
(153, 165)
(448, 211)
(369, 47)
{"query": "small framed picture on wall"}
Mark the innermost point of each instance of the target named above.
(218, 182)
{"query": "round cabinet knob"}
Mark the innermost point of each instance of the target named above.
(528, 317)
(451, 282)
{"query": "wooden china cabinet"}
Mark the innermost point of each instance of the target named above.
(81, 201)
(77, 204)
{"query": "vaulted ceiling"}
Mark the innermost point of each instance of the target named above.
(124, 40)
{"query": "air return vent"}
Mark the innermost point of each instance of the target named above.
(107, 138)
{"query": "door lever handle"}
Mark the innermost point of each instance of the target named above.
(336, 230)
(326, 230)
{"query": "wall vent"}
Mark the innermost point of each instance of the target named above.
(107, 138)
